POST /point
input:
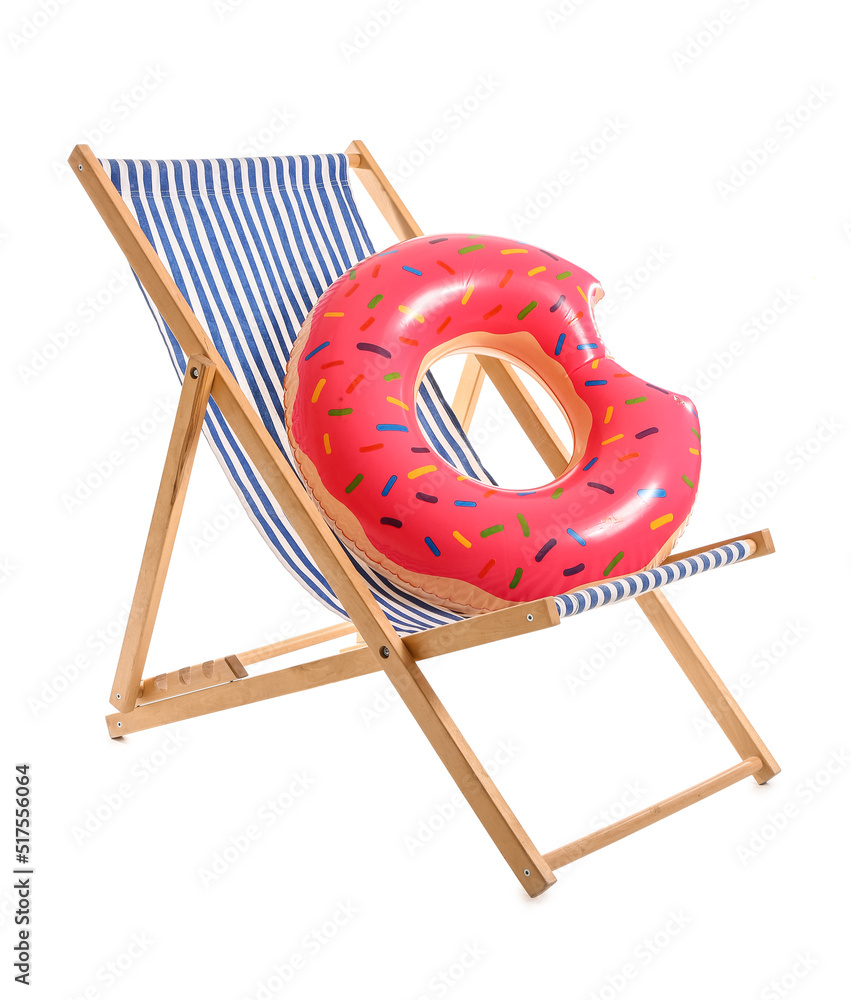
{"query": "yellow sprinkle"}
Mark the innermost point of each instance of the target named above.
(405, 309)
(609, 413)
(334, 314)
(467, 295)
(317, 390)
(461, 539)
(617, 437)
(415, 473)
(660, 521)
(694, 451)
(536, 270)
(398, 402)
(514, 251)
(578, 289)
(594, 363)
(461, 478)
(327, 441)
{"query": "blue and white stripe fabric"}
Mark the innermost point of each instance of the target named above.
(251, 244)
(625, 587)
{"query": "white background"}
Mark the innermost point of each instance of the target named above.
(713, 161)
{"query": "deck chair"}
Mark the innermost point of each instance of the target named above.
(231, 254)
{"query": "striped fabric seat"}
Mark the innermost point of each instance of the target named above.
(252, 244)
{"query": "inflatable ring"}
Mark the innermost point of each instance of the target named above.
(400, 506)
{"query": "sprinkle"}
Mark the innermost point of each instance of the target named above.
(694, 451)
(514, 251)
(398, 402)
(572, 570)
(413, 270)
(544, 549)
(375, 270)
(488, 566)
(465, 503)
(688, 482)
(578, 316)
(368, 323)
(506, 278)
(609, 413)
(394, 522)
(371, 447)
(354, 288)
(632, 454)
(588, 466)
(600, 486)
(420, 450)
(327, 442)
(417, 316)
(516, 579)
(416, 473)
(646, 431)
(391, 427)
(431, 545)
(576, 537)
(492, 312)
(392, 376)
(440, 239)
(373, 302)
(584, 296)
(327, 315)
(651, 493)
(613, 563)
(623, 375)
(427, 497)
(446, 267)
(527, 493)
(356, 381)
(374, 349)
(524, 312)
(384, 253)
(486, 494)
(444, 324)
(470, 249)
(319, 387)
(332, 364)
(696, 433)
(354, 483)
(638, 399)
(559, 344)
(459, 537)
(596, 381)
(535, 270)
(617, 437)
(556, 493)
(493, 530)
(595, 363)
(352, 273)
(557, 303)
(524, 525)
(660, 521)
(316, 350)
(657, 388)
(564, 274)
(586, 347)
(340, 413)
(410, 343)
(389, 485)
(467, 295)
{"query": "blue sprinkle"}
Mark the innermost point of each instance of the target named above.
(316, 350)
(432, 546)
(386, 252)
(559, 344)
(586, 347)
(413, 270)
(651, 493)
(389, 485)
(578, 538)
(588, 466)
(391, 427)
(528, 493)
(596, 381)
(465, 503)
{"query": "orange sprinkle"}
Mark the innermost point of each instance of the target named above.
(332, 364)
(369, 322)
(660, 521)
(446, 267)
(319, 387)
(489, 565)
(356, 381)
(632, 454)
(334, 314)
(444, 324)
(327, 442)
(416, 473)
(371, 447)
(506, 277)
(489, 493)
(375, 270)
(491, 312)
(622, 375)
(349, 292)
(410, 343)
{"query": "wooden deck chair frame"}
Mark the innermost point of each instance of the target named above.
(222, 683)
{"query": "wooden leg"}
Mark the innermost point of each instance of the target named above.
(188, 421)
(468, 391)
(707, 683)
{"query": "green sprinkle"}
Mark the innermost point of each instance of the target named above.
(612, 564)
(556, 493)
(517, 574)
(524, 312)
(391, 376)
(564, 274)
(354, 483)
(492, 530)
(688, 482)
(470, 249)
(638, 399)
(694, 431)
(340, 413)
(352, 274)
(524, 524)
(373, 302)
